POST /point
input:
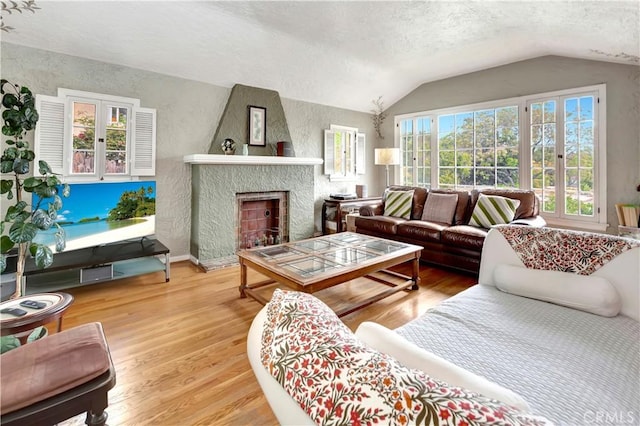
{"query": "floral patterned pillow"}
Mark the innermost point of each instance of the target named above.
(338, 380)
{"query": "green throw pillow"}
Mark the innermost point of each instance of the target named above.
(493, 210)
(398, 204)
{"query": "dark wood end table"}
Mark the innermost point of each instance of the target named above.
(21, 327)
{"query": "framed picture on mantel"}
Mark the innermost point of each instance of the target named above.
(257, 125)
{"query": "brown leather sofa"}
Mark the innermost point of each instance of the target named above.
(458, 245)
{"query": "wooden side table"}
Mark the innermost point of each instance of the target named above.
(21, 327)
(339, 210)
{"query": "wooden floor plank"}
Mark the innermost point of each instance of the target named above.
(179, 348)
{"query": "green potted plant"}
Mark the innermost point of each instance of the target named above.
(22, 221)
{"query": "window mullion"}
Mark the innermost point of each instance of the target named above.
(414, 156)
(561, 194)
(524, 145)
(434, 152)
(101, 147)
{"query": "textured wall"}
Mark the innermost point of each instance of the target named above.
(307, 121)
(214, 213)
(234, 121)
(547, 74)
(188, 115)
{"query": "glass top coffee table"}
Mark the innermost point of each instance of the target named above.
(318, 263)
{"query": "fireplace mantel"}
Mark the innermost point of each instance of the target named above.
(249, 160)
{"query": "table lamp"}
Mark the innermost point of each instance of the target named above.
(387, 157)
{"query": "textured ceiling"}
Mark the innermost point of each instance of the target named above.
(343, 54)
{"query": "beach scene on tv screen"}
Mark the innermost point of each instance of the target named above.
(102, 213)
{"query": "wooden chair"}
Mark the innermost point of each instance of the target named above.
(58, 377)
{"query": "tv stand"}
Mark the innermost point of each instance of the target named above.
(123, 259)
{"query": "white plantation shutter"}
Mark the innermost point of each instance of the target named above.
(329, 152)
(360, 153)
(49, 135)
(143, 146)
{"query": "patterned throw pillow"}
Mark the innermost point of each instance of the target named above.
(336, 379)
(493, 210)
(398, 204)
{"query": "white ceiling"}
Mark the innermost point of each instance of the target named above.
(343, 54)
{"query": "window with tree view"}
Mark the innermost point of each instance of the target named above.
(116, 149)
(94, 136)
(344, 151)
(416, 159)
(552, 143)
(562, 154)
(84, 138)
(479, 149)
(100, 135)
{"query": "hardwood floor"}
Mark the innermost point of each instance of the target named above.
(180, 348)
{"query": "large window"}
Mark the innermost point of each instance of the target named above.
(479, 149)
(563, 149)
(416, 169)
(552, 143)
(89, 136)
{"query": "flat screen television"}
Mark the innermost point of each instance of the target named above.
(100, 213)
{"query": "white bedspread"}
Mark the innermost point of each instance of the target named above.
(573, 367)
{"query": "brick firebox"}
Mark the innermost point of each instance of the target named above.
(261, 218)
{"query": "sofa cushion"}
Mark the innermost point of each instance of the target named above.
(440, 208)
(529, 202)
(464, 236)
(419, 198)
(586, 293)
(53, 365)
(378, 224)
(398, 204)
(493, 210)
(463, 210)
(336, 379)
(420, 230)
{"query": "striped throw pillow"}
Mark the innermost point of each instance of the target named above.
(493, 210)
(398, 204)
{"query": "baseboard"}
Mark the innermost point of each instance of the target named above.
(180, 258)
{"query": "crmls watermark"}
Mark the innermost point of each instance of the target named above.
(610, 417)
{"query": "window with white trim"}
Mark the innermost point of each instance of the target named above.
(563, 142)
(344, 152)
(479, 148)
(416, 151)
(553, 143)
(89, 136)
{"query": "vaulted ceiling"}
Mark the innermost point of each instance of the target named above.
(342, 54)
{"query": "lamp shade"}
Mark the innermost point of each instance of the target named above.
(387, 156)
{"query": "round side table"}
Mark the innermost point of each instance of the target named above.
(21, 327)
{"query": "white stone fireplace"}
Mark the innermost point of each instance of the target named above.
(217, 179)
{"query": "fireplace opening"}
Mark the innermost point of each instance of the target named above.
(262, 219)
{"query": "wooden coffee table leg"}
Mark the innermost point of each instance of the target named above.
(416, 272)
(243, 278)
